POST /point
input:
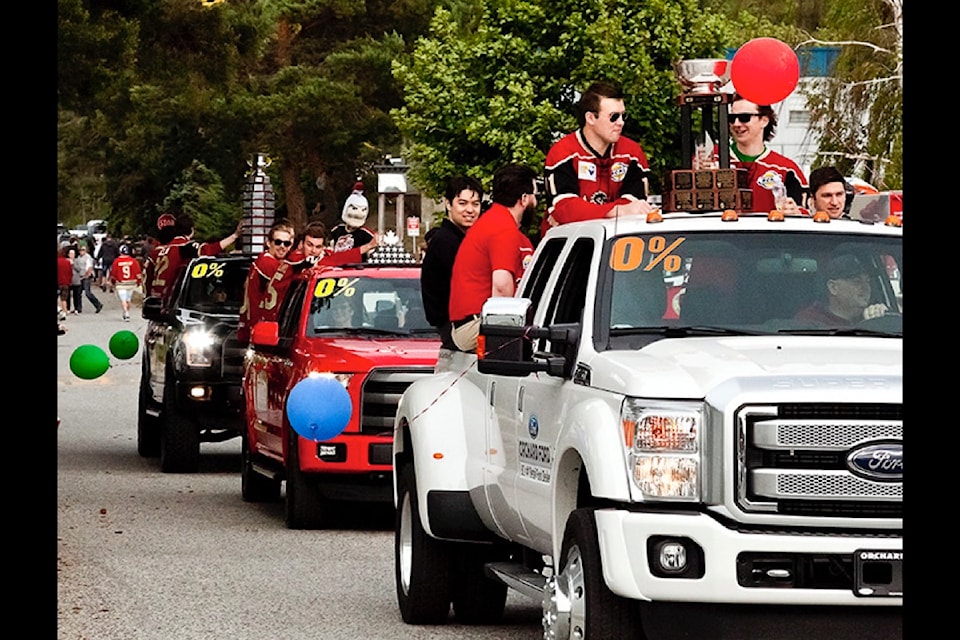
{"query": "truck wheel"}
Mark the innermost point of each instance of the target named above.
(577, 603)
(255, 487)
(179, 436)
(148, 428)
(305, 504)
(477, 599)
(421, 563)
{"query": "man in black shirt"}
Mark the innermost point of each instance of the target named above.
(462, 202)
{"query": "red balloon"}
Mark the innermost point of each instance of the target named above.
(764, 71)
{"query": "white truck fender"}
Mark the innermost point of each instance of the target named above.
(592, 437)
(434, 418)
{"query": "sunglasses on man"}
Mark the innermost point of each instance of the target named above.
(615, 116)
(744, 118)
(277, 242)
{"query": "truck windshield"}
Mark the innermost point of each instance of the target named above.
(348, 303)
(755, 283)
(214, 286)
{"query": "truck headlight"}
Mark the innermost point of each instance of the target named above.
(199, 348)
(663, 441)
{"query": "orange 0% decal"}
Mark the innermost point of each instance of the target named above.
(628, 254)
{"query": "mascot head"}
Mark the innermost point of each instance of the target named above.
(356, 208)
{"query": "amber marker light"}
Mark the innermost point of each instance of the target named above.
(821, 216)
(893, 221)
(729, 215)
(775, 216)
(481, 347)
(655, 216)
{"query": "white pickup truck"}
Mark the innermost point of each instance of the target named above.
(685, 425)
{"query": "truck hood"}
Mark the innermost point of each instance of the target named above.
(361, 354)
(693, 367)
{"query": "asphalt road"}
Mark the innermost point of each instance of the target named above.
(143, 555)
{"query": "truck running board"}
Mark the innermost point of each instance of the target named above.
(518, 577)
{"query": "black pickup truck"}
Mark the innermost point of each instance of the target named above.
(192, 364)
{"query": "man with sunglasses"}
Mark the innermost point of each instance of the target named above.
(596, 171)
(311, 250)
(769, 172)
(279, 242)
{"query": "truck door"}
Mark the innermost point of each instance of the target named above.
(542, 401)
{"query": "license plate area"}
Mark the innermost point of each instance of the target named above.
(878, 573)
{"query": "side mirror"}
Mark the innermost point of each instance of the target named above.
(505, 344)
(152, 308)
(265, 333)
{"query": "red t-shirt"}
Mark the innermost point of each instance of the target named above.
(126, 270)
(64, 271)
(493, 242)
(761, 174)
(583, 185)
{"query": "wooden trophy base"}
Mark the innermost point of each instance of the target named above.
(698, 190)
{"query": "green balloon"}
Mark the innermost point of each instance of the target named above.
(124, 344)
(89, 361)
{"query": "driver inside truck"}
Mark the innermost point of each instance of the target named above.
(847, 295)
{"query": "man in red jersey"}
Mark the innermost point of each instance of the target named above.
(167, 259)
(769, 172)
(595, 171)
(125, 276)
(311, 250)
(279, 243)
(493, 254)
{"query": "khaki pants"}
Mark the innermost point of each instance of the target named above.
(465, 336)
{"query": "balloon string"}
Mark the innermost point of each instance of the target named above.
(463, 373)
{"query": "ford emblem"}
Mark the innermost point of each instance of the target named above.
(880, 462)
(533, 426)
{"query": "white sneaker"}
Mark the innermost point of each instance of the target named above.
(126, 317)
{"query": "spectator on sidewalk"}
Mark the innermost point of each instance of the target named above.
(86, 262)
(64, 277)
(125, 277)
(107, 253)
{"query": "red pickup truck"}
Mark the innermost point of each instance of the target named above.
(364, 325)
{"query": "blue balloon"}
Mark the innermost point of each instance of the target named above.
(319, 408)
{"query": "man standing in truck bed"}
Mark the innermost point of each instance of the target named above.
(596, 172)
(166, 260)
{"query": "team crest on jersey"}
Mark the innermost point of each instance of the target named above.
(587, 171)
(598, 197)
(618, 171)
(527, 259)
(769, 179)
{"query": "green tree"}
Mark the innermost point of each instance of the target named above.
(858, 110)
(502, 88)
(200, 193)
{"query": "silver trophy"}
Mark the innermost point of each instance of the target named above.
(702, 76)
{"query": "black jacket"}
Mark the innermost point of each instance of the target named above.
(435, 272)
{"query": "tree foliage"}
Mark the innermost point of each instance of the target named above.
(502, 88)
(160, 98)
(858, 110)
